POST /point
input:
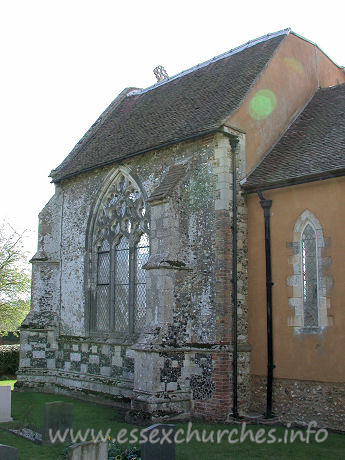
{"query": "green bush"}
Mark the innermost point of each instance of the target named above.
(9, 359)
(119, 452)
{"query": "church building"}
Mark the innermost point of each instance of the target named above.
(191, 261)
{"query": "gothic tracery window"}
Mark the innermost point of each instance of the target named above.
(120, 248)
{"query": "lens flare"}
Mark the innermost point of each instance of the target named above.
(262, 104)
(295, 65)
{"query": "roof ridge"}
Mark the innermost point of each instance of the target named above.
(231, 52)
(317, 46)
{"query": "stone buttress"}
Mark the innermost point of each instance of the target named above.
(180, 365)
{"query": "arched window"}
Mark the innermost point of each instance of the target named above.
(120, 248)
(310, 284)
(309, 277)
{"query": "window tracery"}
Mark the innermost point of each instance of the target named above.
(120, 248)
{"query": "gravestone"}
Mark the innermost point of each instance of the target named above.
(58, 415)
(8, 452)
(5, 404)
(164, 450)
(88, 451)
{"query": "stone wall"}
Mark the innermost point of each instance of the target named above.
(81, 365)
(300, 402)
(38, 349)
(182, 362)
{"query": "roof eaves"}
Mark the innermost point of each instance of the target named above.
(212, 129)
(317, 176)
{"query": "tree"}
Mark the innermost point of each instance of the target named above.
(14, 280)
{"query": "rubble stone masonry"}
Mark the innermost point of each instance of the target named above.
(181, 364)
(301, 401)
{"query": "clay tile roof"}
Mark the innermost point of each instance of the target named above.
(169, 182)
(195, 102)
(312, 147)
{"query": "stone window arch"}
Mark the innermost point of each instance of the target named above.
(119, 247)
(310, 285)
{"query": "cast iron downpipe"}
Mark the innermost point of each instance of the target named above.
(233, 144)
(266, 205)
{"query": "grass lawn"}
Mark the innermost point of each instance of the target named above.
(30, 406)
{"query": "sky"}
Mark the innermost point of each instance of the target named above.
(63, 62)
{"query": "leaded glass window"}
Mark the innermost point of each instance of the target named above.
(141, 256)
(121, 247)
(103, 285)
(309, 277)
(121, 286)
(310, 300)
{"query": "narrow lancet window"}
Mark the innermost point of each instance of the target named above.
(309, 277)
